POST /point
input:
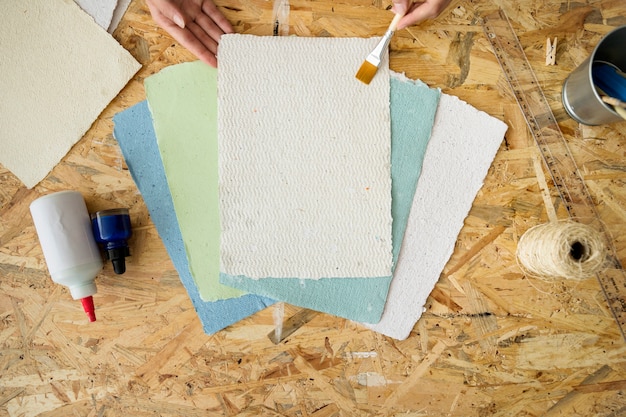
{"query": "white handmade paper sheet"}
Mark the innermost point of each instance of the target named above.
(304, 159)
(100, 10)
(462, 146)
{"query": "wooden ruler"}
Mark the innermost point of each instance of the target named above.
(554, 151)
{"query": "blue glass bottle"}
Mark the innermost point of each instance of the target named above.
(112, 228)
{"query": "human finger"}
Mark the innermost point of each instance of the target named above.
(166, 11)
(401, 6)
(188, 39)
(209, 29)
(210, 9)
(204, 45)
(419, 12)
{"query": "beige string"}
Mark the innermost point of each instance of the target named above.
(561, 249)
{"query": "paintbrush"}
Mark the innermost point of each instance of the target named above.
(618, 105)
(372, 62)
(614, 101)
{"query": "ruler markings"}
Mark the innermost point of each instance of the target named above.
(555, 151)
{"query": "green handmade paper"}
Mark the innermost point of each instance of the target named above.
(183, 103)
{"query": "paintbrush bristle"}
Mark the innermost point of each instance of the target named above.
(372, 62)
(366, 72)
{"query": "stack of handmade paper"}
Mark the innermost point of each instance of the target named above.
(315, 193)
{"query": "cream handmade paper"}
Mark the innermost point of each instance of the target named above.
(304, 159)
(59, 71)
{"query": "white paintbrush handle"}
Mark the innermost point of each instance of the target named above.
(394, 23)
(376, 55)
(384, 42)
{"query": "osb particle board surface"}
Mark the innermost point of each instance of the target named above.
(491, 341)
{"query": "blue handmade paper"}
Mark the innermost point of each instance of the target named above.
(135, 134)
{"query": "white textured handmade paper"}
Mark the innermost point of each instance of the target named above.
(100, 10)
(463, 144)
(304, 159)
(118, 13)
(59, 71)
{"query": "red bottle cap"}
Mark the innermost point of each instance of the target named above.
(89, 308)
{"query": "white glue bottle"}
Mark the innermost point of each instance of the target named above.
(69, 247)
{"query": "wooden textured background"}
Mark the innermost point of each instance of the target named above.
(491, 342)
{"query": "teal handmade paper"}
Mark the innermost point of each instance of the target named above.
(413, 107)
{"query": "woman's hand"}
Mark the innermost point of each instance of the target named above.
(416, 12)
(197, 24)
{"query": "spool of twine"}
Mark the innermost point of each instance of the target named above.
(562, 249)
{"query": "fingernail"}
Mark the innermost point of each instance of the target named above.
(179, 21)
